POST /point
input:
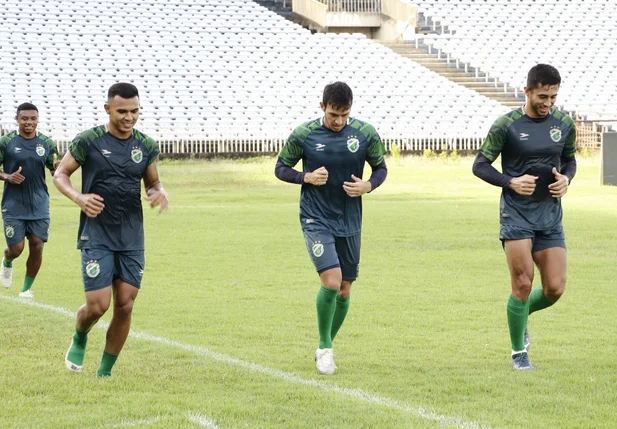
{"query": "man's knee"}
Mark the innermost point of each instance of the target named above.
(345, 289)
(332, 278)
(15, 250)
(124, 308)
(97, 309)
(521, 284)
(555, 287)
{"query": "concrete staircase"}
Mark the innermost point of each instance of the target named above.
(492, 88)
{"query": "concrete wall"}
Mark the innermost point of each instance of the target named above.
(367, 31)
(391, 29)
(398, 19)
(310, 10)
(400, 10)
(352, 19)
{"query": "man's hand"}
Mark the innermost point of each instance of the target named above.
(318, 177)
(158, 197)
(16, 178)
(523, 185)
(357, 188)
(559, 188)
(90, 204)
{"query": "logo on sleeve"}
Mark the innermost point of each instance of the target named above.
(353, 144)
(9, 231)
(137, 155)
(317, 249)
(93, 269)
(555, 133)
(40, 150)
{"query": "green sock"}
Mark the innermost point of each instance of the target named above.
(6, 263)
(107, 362)
(78, 348)
(326, 305)
(80, 338)
(518, 312)
(27, 283)
(342, 305)
(537, 300)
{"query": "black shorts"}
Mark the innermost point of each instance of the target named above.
(541, 239)
(327, 251)
(16, 230)
(100, 267)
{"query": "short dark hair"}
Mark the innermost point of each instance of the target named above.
(124, 90)
(542, 75)
(26, 106)
(338, 95)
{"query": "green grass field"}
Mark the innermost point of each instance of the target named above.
(225, 331)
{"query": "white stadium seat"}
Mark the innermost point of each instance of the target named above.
(232, 66)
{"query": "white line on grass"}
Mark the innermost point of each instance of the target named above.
(203, 421)
(140, 422)
(359, 394)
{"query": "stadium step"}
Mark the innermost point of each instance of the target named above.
(489, 87)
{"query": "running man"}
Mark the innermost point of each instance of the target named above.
(537, 144)
(333, 150)
(24, 155)
(113, 159)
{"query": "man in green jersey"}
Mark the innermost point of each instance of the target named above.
(537, 144)
(333, 150)
(24, 155)
(114, 158)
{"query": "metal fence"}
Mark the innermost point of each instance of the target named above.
(200, 141)
(267, 139)
(357, 6)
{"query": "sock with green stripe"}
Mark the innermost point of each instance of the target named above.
(537, 301)
(342, 305)
(107, 362)
(27, 283)
(6, 263)
(326, 306)
(518, 312)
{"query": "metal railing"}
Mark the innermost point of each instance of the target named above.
(176, 139)
(356, 6)
(196, 141)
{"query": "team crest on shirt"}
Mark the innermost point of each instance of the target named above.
(40, 150)
(137, 155)
(317, 249)
(93, 269)
(9, 231)
(555, 133)
(353, 144)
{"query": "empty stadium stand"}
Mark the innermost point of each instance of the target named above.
(505, 38)
(215, 70)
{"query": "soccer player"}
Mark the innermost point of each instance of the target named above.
(113, 160)
(333, 150)
(537, 144)
(24, 154)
